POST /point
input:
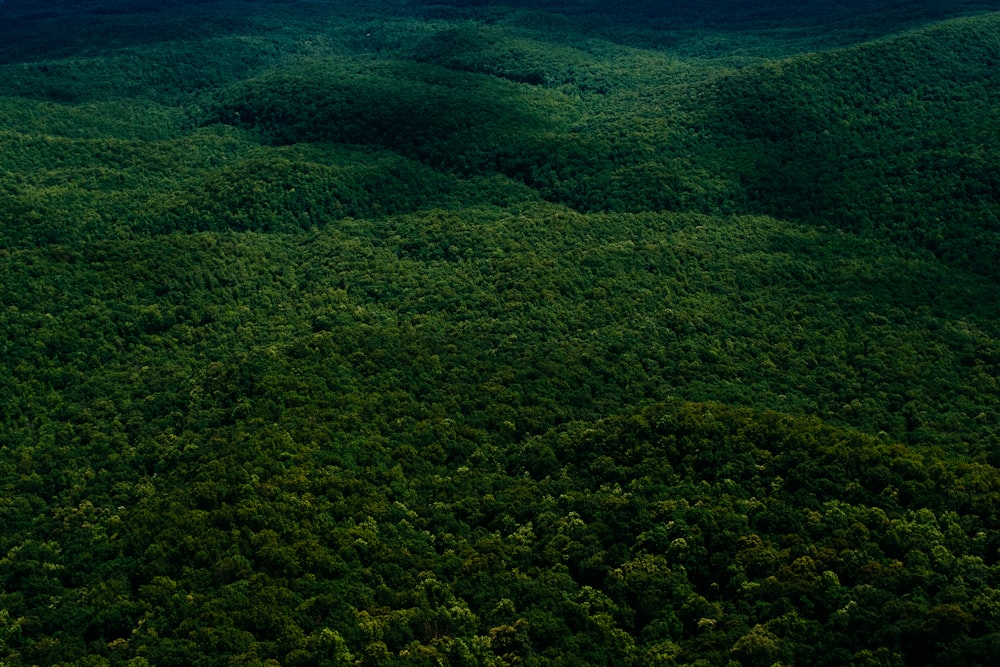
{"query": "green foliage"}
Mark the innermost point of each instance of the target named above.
(485, 335)
(892, 138)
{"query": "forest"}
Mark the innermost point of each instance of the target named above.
(561, 333)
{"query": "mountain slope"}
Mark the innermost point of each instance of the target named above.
(896, 137)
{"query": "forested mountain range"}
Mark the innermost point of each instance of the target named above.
(481, 333)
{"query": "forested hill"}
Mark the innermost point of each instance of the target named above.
(475, 333)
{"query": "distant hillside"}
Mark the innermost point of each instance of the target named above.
(900, 138)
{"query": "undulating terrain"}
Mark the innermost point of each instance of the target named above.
(565, 333)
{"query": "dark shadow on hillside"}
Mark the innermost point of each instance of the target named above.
(649, 23)
(895, 138)
(37, 31)
(456, 121)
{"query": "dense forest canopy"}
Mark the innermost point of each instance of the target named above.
(499, 333)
